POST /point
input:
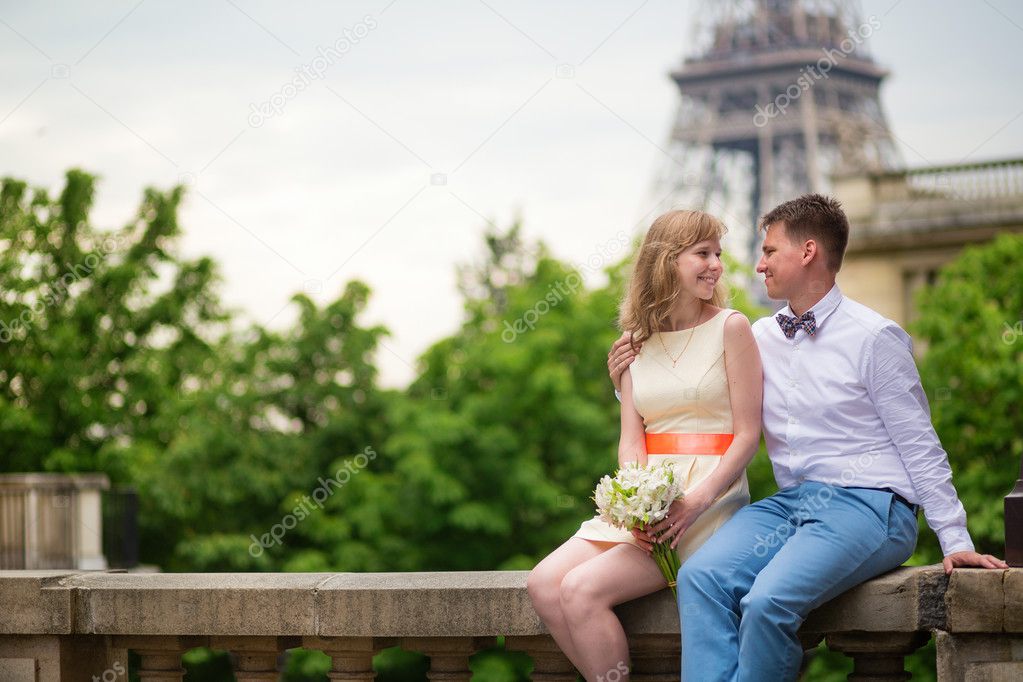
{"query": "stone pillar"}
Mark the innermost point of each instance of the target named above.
(87, 516)
(877, 656)
(809, 641)
(160, 655)
(255, 657)
(549, 663)
(56, 520)
(655, 658)
(61, 658)
(351, 657)
(979, 657)
(449, 656)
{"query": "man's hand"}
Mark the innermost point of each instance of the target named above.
(620, 356)
(961, 559)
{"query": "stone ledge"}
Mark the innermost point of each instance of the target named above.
(446, 604)
(980, 600)
(31, 607)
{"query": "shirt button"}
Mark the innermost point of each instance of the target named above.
(793, 383)
(793, 420)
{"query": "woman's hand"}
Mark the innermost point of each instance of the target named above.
(619, 357)
(681, 515)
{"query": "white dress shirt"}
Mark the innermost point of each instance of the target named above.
(845, 407)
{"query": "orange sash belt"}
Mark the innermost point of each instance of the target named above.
(688, 443)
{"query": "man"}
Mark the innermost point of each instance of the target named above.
(854, 453)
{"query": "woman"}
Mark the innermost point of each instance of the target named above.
(692, 394)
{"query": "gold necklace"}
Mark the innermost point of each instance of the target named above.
(692, 332)
(674, 361)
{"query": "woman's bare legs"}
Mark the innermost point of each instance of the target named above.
(574, 589)
(544, 585)
(588, 594)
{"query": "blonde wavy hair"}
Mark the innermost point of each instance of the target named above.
(654, 285)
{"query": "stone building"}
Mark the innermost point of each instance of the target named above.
(906, 224)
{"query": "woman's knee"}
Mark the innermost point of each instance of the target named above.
(577, 595)
(543, 588)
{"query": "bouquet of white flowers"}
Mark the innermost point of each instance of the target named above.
(640, 496)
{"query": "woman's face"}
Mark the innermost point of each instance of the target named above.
(700, 267)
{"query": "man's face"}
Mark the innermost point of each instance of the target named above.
(781, 263)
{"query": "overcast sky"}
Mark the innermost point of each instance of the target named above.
(428, 121)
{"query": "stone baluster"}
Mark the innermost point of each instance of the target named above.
(809, 641)
(549, 663)
(255, 658)
(351, 657)
(655, 658)
(877, 656)
(449, 656)
(160, 656)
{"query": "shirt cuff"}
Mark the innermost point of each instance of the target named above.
(618, 395)
(955, 539)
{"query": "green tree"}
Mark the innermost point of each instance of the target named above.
(116, 355)
(97, 328)
(512, 420)
(972, 320)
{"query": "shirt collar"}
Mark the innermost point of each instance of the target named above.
(823, 308)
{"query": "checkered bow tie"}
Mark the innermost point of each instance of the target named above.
(789, 325)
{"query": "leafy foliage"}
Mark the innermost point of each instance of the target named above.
(256, 449)
(972, 320)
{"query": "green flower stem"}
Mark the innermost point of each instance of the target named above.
(667, 560)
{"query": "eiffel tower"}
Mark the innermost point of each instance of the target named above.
(776, 97)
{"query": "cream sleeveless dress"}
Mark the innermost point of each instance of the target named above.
(691, 397)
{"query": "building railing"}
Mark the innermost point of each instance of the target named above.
(957, 204)
(74, 627)
(968, 181)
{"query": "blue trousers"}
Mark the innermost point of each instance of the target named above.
(745, 592)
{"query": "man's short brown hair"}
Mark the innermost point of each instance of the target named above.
(816, 217)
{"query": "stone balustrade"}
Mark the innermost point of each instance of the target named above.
(78, 626)
(52, 521)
